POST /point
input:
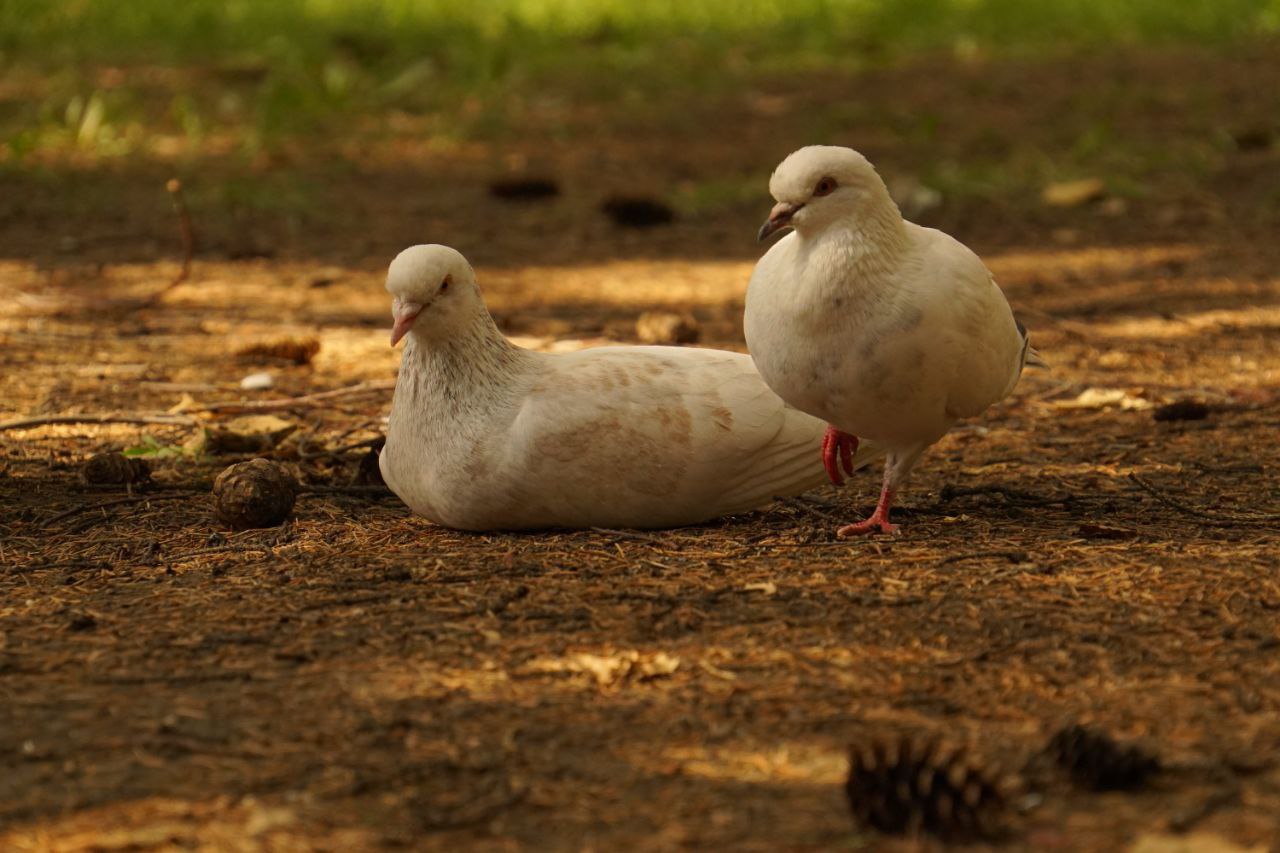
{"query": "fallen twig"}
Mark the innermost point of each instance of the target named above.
(630, 534)
(230, 547)
(188, 420)
(292, 402)
(122, 418)
(196, 486)
(1207, 516)
(1011, 556)
(84, 563)
(1011, 496)
(338, 451)
(132, 499)
(360, 491)
(807, 506)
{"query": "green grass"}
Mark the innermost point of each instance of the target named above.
(485, 38)
(275, 69)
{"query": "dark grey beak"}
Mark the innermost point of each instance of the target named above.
(779, 218)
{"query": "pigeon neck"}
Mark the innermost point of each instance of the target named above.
(871, 245)
(466, 358)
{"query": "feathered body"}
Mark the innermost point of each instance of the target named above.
(886, 330)
(486, 435)
(894, 344)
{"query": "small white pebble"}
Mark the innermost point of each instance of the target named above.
(257, 382)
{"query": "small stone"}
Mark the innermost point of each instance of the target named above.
(257, 382)
(257, 493)
(115, 469)
(662, 327)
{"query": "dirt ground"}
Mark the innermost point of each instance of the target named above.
(360, 679)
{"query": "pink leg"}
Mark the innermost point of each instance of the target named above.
(879, 520)
(842, 444)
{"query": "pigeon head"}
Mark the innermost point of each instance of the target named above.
(822, 184)
(433, 291)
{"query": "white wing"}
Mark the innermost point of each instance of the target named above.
(657, 437)
(988, 348)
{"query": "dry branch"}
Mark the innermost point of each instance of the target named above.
(91, 418)
(132, 499)
(1206, 516)
(294, 402)
(229, 406)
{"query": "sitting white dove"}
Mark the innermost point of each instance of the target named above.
(884, 329)
(485, 435)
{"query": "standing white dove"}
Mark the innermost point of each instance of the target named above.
(486, 435)
(886, 330)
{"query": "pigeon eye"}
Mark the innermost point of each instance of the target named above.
(826, 186)
(444, 285)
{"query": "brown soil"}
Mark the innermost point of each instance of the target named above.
(361, 679)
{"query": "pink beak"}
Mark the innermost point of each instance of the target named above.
(779, 218)
(404, 313)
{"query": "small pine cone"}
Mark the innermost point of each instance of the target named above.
(257, 493)
(906, 787)
(1097, 762)
(115, 469)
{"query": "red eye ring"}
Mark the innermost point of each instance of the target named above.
(826, 186)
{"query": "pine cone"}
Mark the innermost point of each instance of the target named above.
(115, 469)
(257, 493)
(1097, 762)
(906, 787)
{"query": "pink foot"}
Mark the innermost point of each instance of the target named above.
(874, 524)
(879, 520)
(842, 445)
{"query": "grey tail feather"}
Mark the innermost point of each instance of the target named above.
(1029, 355)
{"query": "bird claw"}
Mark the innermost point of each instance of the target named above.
(874, 524)
(837, 452)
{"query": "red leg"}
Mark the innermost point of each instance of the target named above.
(879, 520)
(837, 451)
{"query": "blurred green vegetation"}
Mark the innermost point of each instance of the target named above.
(110, 78)
(483, 39)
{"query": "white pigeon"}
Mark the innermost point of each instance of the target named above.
(886, 330)
(485, 435)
